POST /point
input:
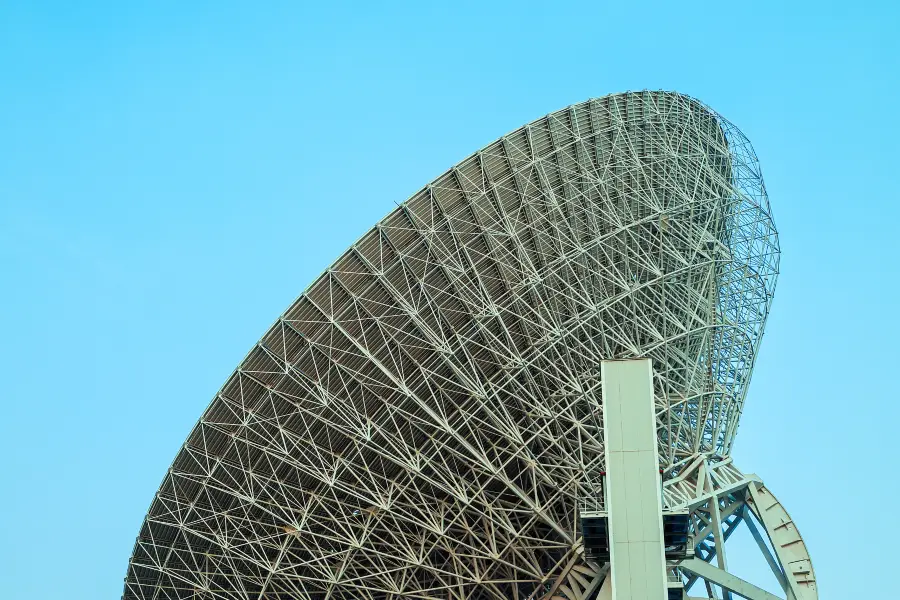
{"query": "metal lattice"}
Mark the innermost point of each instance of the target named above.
(424, 420)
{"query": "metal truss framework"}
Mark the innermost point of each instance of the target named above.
(721, 499)
(423, 422)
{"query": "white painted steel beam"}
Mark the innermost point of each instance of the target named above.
(728, 581)
(632, 481)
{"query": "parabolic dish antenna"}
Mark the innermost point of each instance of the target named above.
(446, 412)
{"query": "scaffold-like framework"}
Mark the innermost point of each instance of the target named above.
(424, 421)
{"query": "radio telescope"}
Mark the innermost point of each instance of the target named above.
(446, 412)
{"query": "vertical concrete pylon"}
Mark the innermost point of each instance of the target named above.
(634, 504)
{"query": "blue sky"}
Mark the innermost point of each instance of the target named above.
(172, 176)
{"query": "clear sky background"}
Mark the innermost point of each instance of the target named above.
(173, 175)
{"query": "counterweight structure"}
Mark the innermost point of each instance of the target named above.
(425, 421)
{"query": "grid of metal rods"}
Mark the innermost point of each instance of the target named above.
(424, 420)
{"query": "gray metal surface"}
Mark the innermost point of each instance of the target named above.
(424, 420)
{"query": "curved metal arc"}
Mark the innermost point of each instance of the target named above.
(790, 549)
(726, 580)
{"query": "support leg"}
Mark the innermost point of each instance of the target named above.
(637, 560)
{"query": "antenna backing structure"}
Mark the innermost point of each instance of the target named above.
(427, 419)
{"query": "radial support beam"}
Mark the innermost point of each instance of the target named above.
(764, 550)
(726, 580)
(632, 479)
(719, 537)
